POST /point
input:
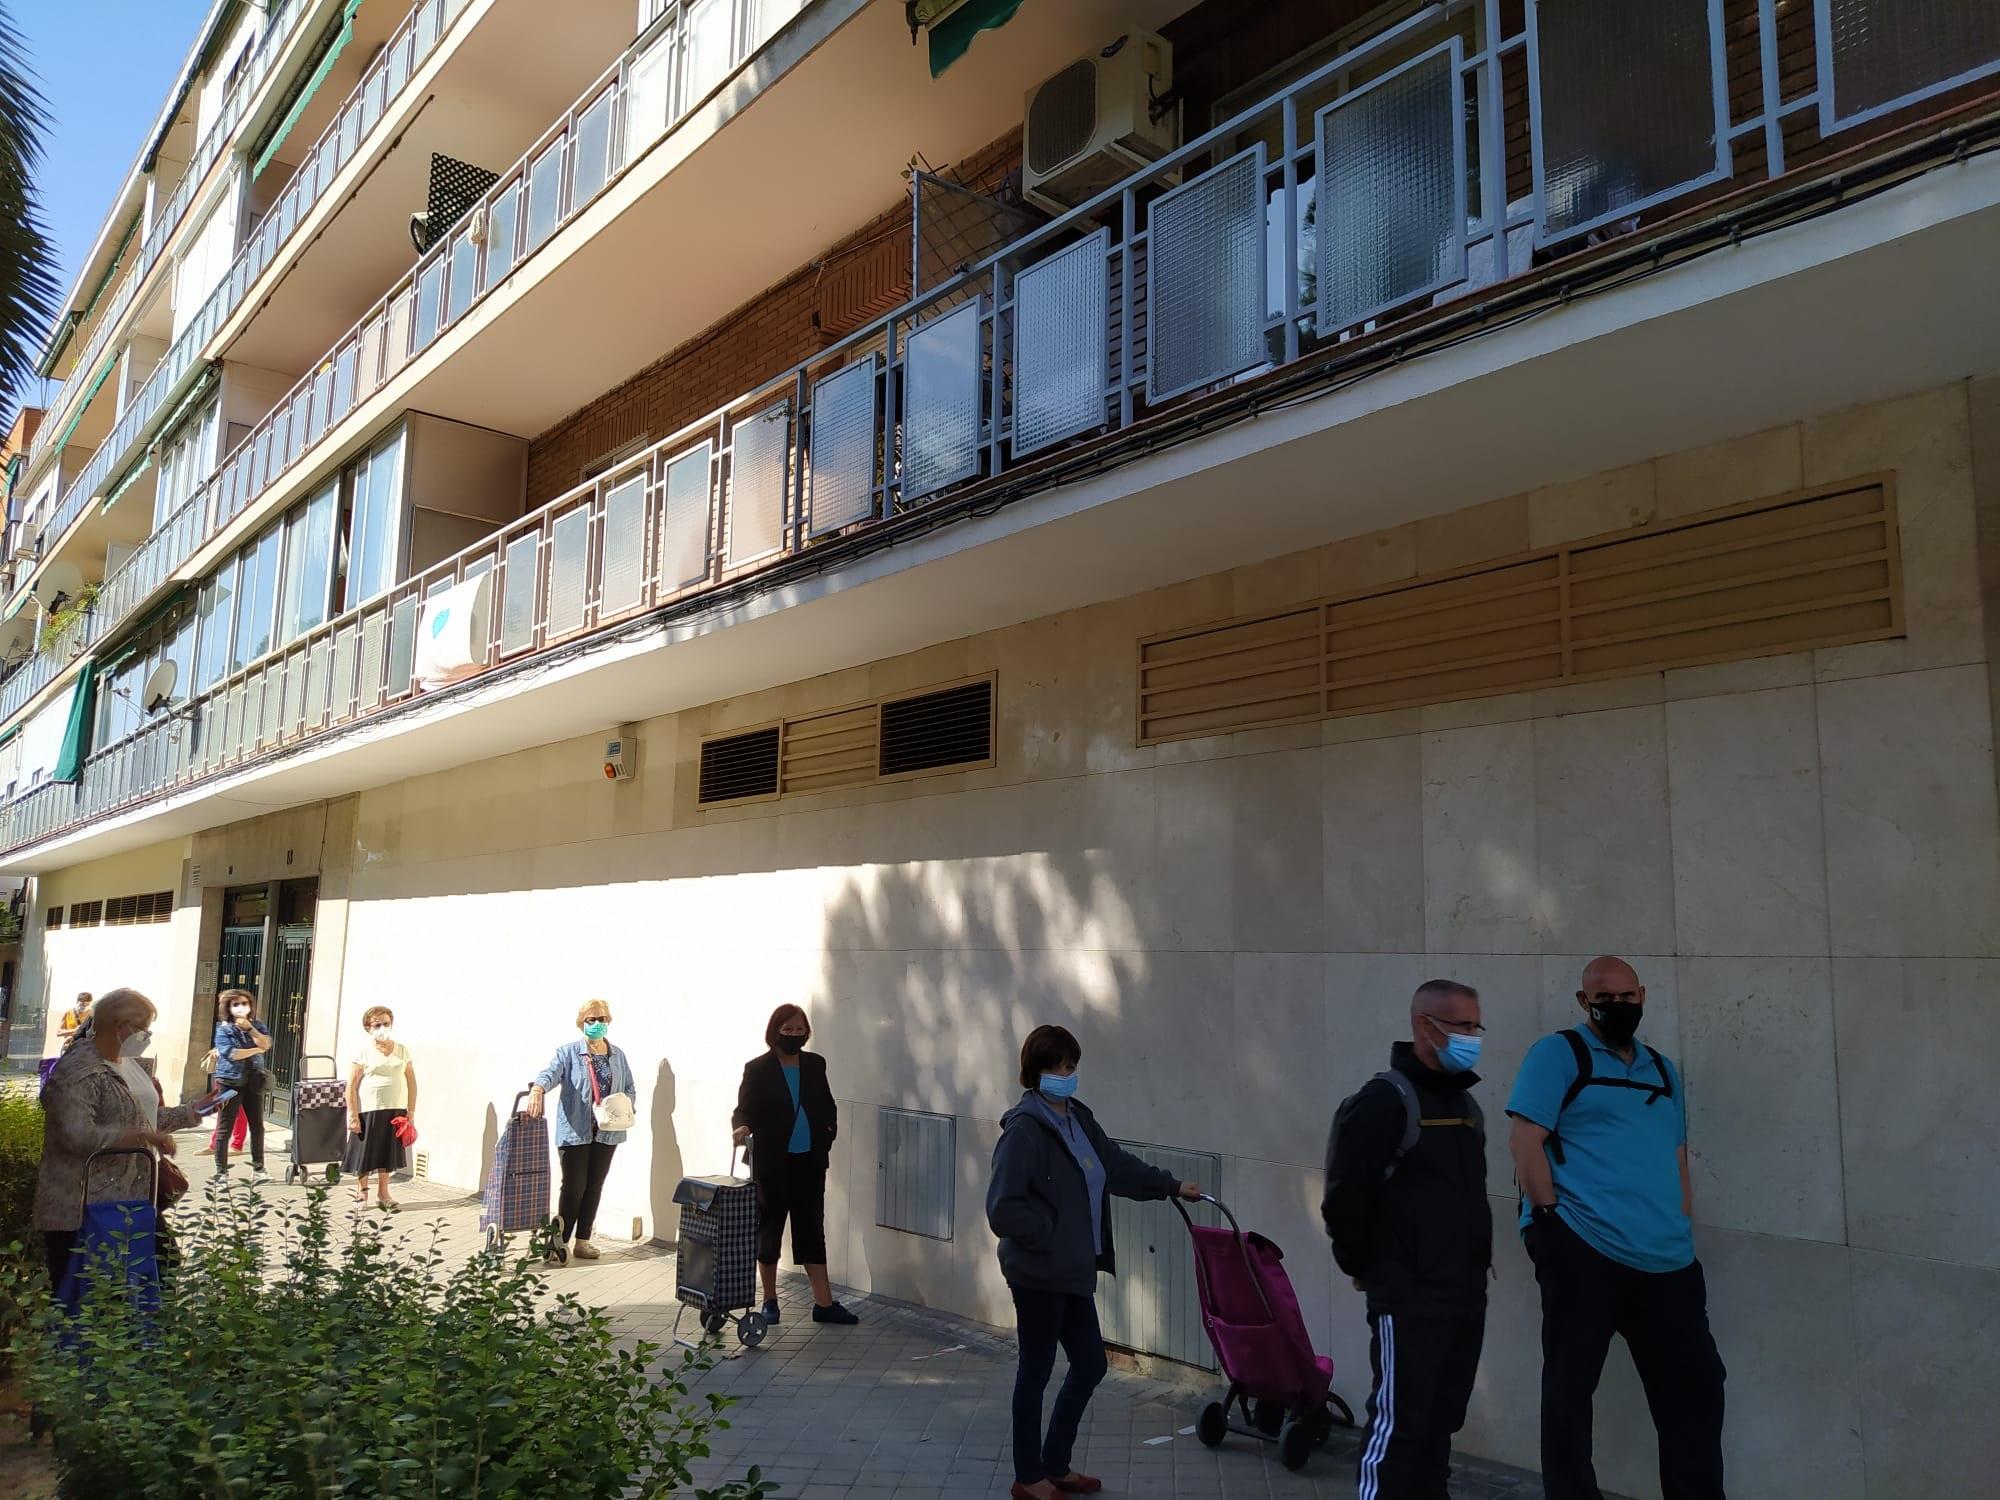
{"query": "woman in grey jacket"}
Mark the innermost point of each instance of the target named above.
(1054, 1172)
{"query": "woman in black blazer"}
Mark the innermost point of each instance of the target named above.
(786, 1106)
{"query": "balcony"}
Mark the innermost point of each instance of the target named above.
(1200, 303)
(281, 21)
(357, 129)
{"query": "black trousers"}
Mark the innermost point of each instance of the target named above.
(791, 1187)
(584, 1169)
(249, 1102)
(1424, 1365)
(1663, 1316)
(1042, 1321)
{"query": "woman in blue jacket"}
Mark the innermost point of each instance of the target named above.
(599, 1104)
(242, 1046)
(1054, 1172)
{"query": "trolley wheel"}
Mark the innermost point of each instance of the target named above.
(750, 1329)
(492, 1236)
(1339, 1412)
(558, 1256)
(1212, 1426)
(1295, 1443)
(713, 1323)
(1268, 1417)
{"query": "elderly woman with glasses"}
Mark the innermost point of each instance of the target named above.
(89, 1105)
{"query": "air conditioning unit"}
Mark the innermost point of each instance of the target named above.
(1097, 121)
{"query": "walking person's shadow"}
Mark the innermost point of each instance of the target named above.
(667, 1166)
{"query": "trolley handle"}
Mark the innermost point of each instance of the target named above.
(1242, 1246)
(515, 1108)
(332, 1062)
(152, 1167)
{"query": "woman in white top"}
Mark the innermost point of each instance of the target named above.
(381, 1087)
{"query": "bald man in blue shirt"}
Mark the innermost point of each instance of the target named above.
(1600, 1150)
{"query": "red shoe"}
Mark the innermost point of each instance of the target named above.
(1021, 1492)
(1078, 1484)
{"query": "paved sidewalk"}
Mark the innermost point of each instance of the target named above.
(912, 1405)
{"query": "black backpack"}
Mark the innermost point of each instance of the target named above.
(1586, 1077)
(1413, 1124)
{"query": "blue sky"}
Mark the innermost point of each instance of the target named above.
(105, 67)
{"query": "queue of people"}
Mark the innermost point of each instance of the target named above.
(1598, 1138)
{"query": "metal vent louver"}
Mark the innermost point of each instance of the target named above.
(1063, 117)
(953, 727)
(739, 766)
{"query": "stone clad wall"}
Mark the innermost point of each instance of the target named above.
(1800, 853)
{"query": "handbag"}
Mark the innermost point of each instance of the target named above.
(173, 1185)
(611, 1111)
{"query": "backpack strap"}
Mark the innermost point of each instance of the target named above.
(1412, 1117)
(1581, 1052)
(1666, 1088)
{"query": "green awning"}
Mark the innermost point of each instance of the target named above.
(83, 402)
(8, 735)
(76, 737)
(952, 35)
(132, 476)
(343, 34)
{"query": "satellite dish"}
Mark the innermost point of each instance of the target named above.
(159, 689)
(59, 581)
(17, 638)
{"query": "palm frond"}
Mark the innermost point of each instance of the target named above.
(28, 289)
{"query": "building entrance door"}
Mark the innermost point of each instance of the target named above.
(290, 980)
(267, 950)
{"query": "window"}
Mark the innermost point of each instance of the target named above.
(185, 459)
(374, 493)
(308, 563)
(214, 613)
(86, 914)
(256, 598)
(54, 919)
(130, 911)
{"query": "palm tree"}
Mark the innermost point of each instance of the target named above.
(28, 289)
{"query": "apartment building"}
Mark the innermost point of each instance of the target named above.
(1179, 519)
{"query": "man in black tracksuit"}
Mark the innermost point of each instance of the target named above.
(1406, 1209)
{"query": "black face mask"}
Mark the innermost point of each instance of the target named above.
(1617, 1021)
(791, 1046)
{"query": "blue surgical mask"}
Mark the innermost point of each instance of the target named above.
(595, 1030)
(1459, 1054)
(1059, 1085)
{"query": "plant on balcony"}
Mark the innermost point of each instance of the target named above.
(287, 1359)
(70, 613)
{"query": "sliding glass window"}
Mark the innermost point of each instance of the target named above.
(257, 598)
(309, 563)
(374, 494)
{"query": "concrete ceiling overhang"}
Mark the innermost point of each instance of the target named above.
(1882, 297)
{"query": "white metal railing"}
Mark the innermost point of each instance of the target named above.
(426, 25)
(1156, 291)
(281, 20)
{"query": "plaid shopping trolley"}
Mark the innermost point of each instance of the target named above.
(319, 1118)
(517, 1188)
(716, 1270)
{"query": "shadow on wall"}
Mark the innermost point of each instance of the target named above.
(489, 1139)
(667, 1166)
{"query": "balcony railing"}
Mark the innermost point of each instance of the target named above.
(281, 20)
(355, 122)
(1154, 293)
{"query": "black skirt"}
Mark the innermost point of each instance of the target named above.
(376, 1149)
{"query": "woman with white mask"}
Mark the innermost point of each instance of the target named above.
(242, 1043)
(381, 1088)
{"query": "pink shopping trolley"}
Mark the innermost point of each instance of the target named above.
(1282, 1390)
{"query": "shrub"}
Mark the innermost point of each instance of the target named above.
(283, 1361)
(20, 1245)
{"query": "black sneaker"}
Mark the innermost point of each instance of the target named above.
(771, 1313)
(834, 1313)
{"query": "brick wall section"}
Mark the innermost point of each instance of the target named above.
(761, 339)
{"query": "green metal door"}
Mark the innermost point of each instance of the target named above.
(290, 980)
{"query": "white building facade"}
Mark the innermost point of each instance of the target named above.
(1298, 503)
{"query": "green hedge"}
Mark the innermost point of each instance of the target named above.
(20, 1155)
(288, 1359)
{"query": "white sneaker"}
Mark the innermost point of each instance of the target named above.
(258, 1174)
(584, 1250)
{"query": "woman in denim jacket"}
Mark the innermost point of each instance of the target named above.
(242, 1044)
(587, 1071)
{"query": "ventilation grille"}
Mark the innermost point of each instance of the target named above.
(739, 766)
(1788, 574)
(86, 914)
(915, 1172)
(420, 1166)
(949, 728)
(54, 919)
(830, 750)
(1062, 118)
(128, 911)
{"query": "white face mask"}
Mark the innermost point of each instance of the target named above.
(241, 1012)
(136, 1044)
(382, 1033)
